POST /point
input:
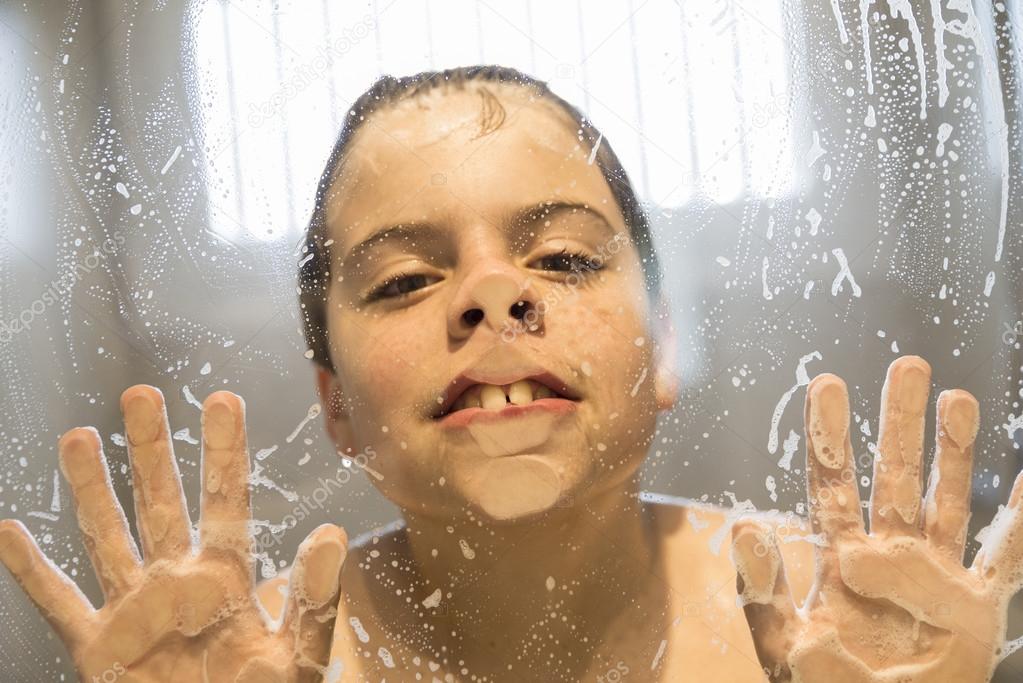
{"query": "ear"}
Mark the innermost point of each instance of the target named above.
(666, 377)
(332, 399)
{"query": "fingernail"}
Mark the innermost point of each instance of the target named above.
(323, 569)
(13, 552)
(914, 384)
(829, 420)
(77, 455)
(142, 416)
(757, 563)
(219, 422)
(960, 419)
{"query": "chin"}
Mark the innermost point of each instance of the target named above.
(509, 489)
(524, 487)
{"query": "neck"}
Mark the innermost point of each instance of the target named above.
(590, 561)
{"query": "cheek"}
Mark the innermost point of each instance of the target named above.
(603, 326)
(611, 336)
(385, 361)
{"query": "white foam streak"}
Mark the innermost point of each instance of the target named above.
(802, 379)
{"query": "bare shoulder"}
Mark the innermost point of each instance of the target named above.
(698, 535)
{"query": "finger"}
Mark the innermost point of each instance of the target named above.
(765, 596)
(225, 516)
(100, 517)
(831, 474)
(895, 498)
(947, 507)
(313, 594)
(159, 501)
(1000, 558)
(57, 597)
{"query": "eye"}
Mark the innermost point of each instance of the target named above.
(568, 261)
(401, 285)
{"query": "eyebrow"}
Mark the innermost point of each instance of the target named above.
(428, 230)
(531, 214)
(393, 233)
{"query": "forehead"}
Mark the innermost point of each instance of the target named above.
(426, 159)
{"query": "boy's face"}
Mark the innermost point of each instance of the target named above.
(471, 291)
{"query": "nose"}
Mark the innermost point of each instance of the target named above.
(498, 296)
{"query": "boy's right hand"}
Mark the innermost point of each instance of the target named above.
(183, 613)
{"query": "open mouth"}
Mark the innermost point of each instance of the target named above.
(467, 394)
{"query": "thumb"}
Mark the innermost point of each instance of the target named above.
(313, 595)
(764, 595)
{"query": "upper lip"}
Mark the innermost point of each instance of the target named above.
(499, 377)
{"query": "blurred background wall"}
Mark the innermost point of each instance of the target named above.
(831, 183)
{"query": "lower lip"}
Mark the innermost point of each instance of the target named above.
(461, 418)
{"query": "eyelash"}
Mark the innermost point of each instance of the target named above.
(378, 292)
(588, 264)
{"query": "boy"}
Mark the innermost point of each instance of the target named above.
(481, 297)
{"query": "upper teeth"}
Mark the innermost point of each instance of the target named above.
(496, 397)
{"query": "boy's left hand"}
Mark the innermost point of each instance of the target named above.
(895, 604)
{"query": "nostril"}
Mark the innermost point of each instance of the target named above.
(472, 317)
(519, 309)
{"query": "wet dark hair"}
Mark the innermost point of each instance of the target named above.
(314, 266)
